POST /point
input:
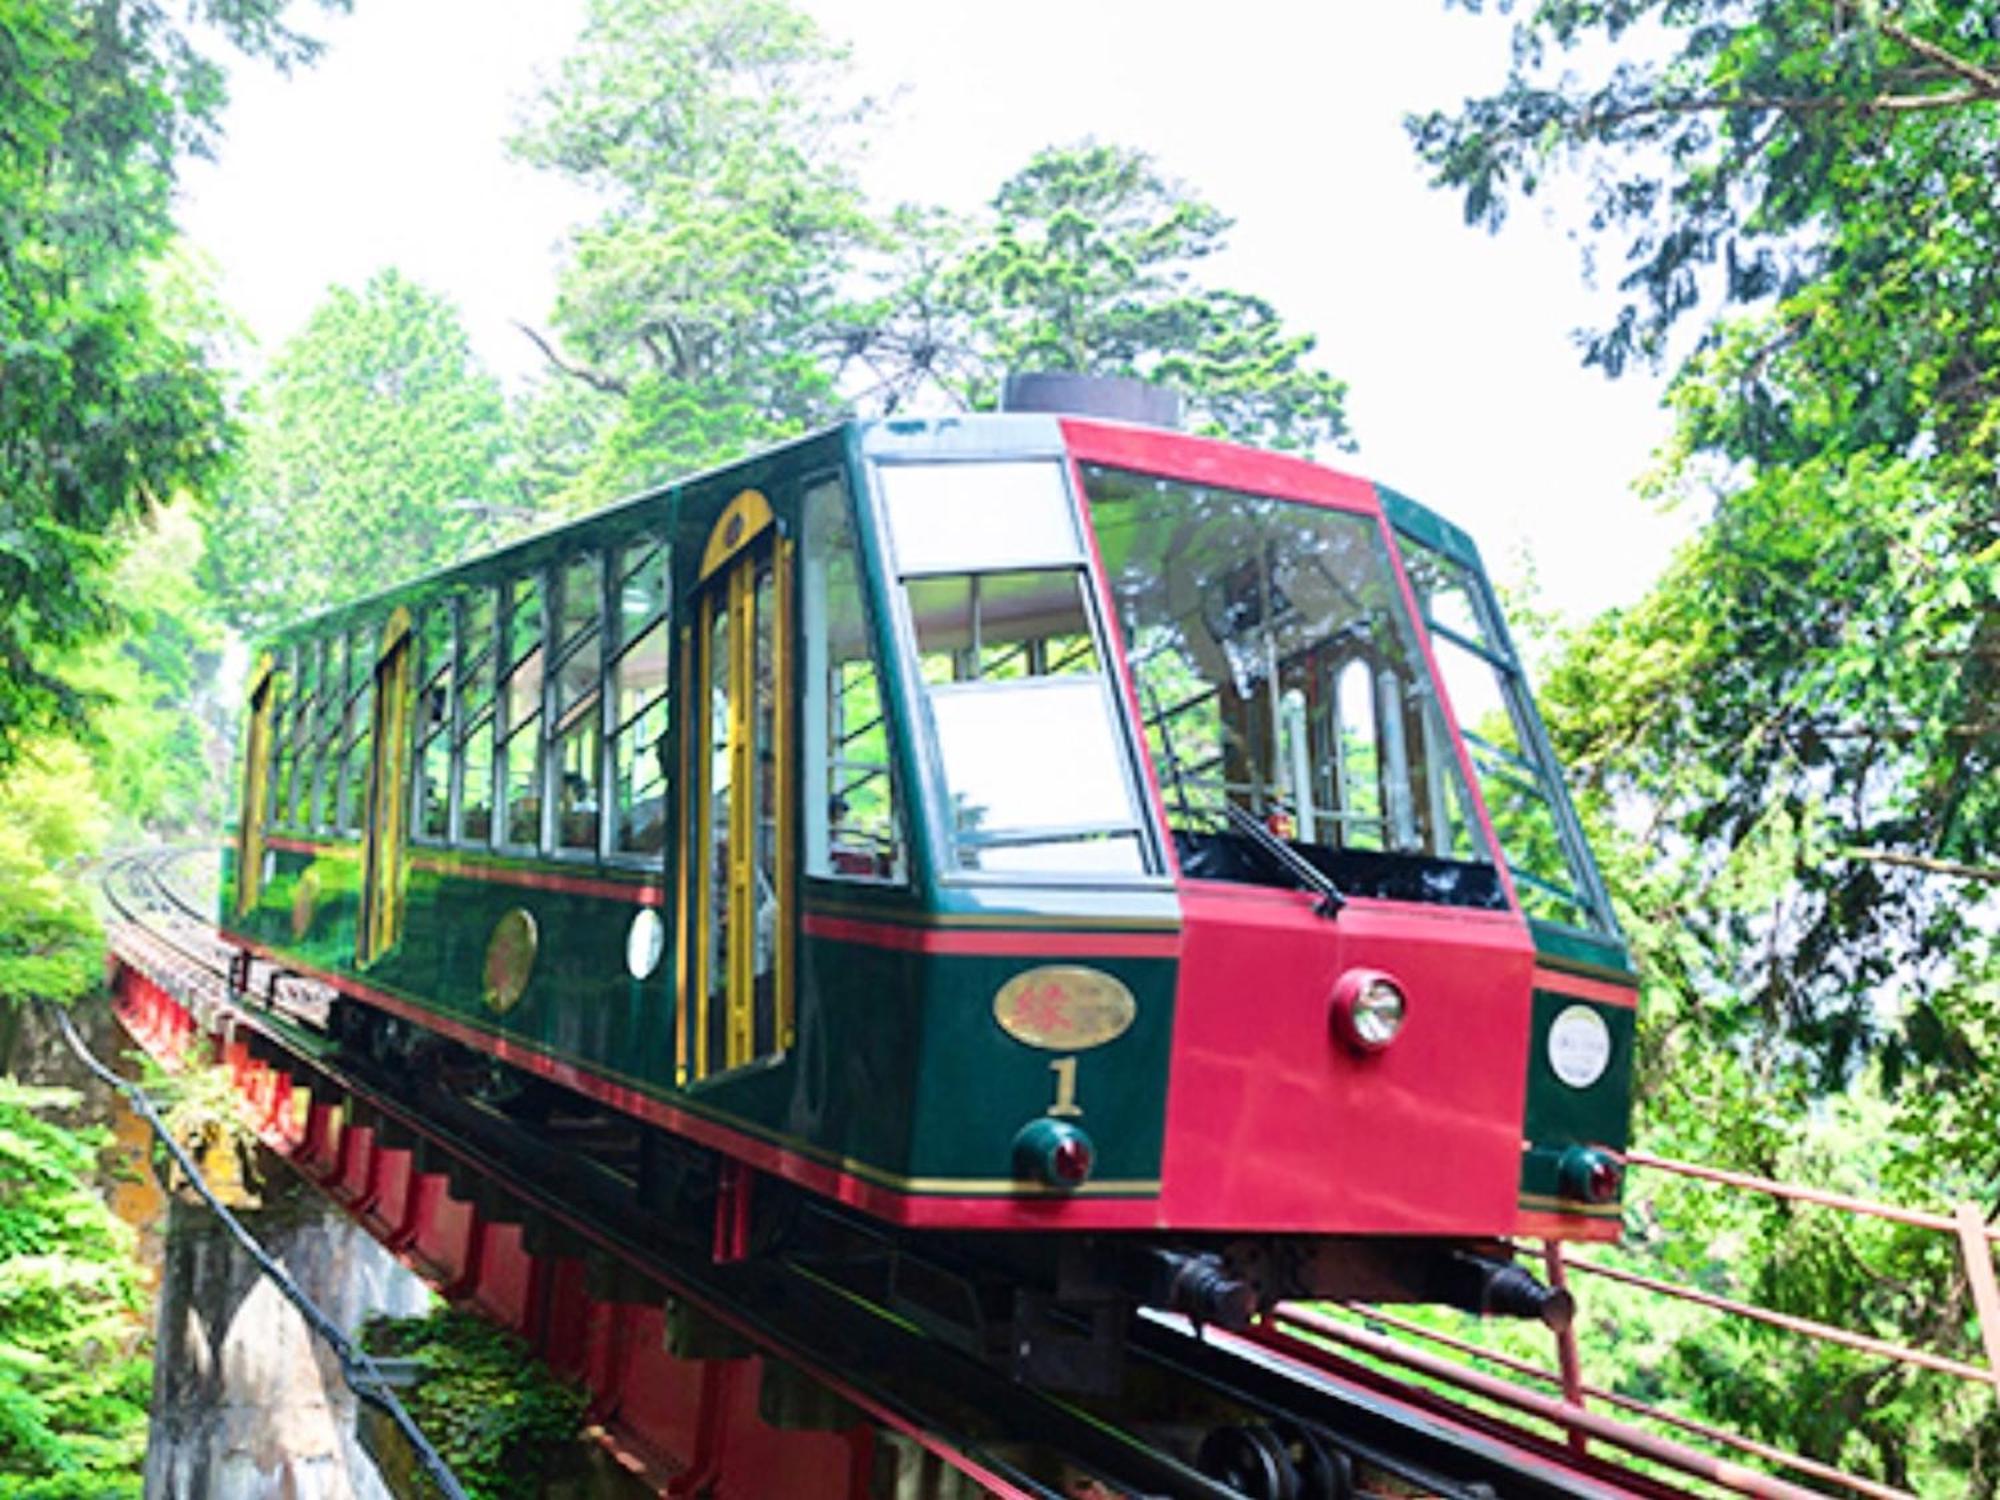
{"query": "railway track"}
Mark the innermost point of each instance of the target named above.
(1199, 1415)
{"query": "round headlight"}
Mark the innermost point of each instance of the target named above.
(1369, 1009)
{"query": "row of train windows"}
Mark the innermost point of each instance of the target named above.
(519, 690)
(542, 709)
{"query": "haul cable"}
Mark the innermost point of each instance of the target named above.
(994, 1473)
(363, 1376)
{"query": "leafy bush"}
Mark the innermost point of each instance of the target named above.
(74, 1377)
(494, 1413)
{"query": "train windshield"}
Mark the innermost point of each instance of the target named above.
(1023, 718)
(1278, 672)
(1518, 775)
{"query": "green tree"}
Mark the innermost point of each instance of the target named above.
(737, 288)
(104, 410)
(703, 311)
(1090, 265)
(378, 449)
(157, 728)
(1802, 712)
(1827, 652)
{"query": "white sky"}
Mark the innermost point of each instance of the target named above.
(1466, 391)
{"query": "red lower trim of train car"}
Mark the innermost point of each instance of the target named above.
(914, 939)
(1001, 1206)
(641, 892)
(1533, 1224)
(545, 880)
(1562, 982)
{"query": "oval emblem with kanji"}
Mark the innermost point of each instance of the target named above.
(510, 959)
(1064, 1007)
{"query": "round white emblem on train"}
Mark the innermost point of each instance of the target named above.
(644, 943)
(1579, 1046)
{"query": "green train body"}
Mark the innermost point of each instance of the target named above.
(667, 806)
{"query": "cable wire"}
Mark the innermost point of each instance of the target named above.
(363, 1376)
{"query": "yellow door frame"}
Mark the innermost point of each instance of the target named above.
(386, 827)
(727, 587)
(256, 787)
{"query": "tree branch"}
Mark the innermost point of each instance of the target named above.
(610, 385)
(1786, 104)
(1925, 862)
(1987, 84)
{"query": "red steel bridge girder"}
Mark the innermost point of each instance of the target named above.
(678, 1426)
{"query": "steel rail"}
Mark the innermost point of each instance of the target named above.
(1811, 1468)
(1721, 1471)
(1085, 1440)
(997, 1475)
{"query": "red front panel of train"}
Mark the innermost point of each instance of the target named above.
(1274, 1122)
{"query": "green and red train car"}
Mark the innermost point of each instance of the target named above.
(1021, 829)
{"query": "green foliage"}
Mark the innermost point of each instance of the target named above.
(74, 1383)
(378, 449)
(496, 1415)
(1089, 265)
(703, 309)
(50, 815)
(105, 410)
(736, 288)
(1731, 144)
(1823, 659)
(1799, 726)
(153, 724)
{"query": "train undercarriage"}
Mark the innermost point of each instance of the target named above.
(1050, 1309)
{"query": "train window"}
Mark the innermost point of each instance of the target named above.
(360, 657)
(852, 828)
(474, 754)
(1000, 627)
(279, 755)
(1495, 715)
(642, 586)
(1035, 774)
(521, 724)
(639, 701)
(1023, 717)
(579, 726)
(355, 761)
(333, 737)
(1279, 674)
(336, 667)
(295, 809)
(315, 803)
(948, 517)
(434, 722)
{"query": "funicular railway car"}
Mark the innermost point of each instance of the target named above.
(1125, 858)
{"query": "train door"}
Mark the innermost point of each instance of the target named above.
(256, 787)
(387, 826)
(737, 837)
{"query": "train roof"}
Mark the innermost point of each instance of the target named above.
(972, 434)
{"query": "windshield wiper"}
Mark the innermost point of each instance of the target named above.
(1295, 864)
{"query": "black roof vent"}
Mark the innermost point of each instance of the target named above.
(1118, 397)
